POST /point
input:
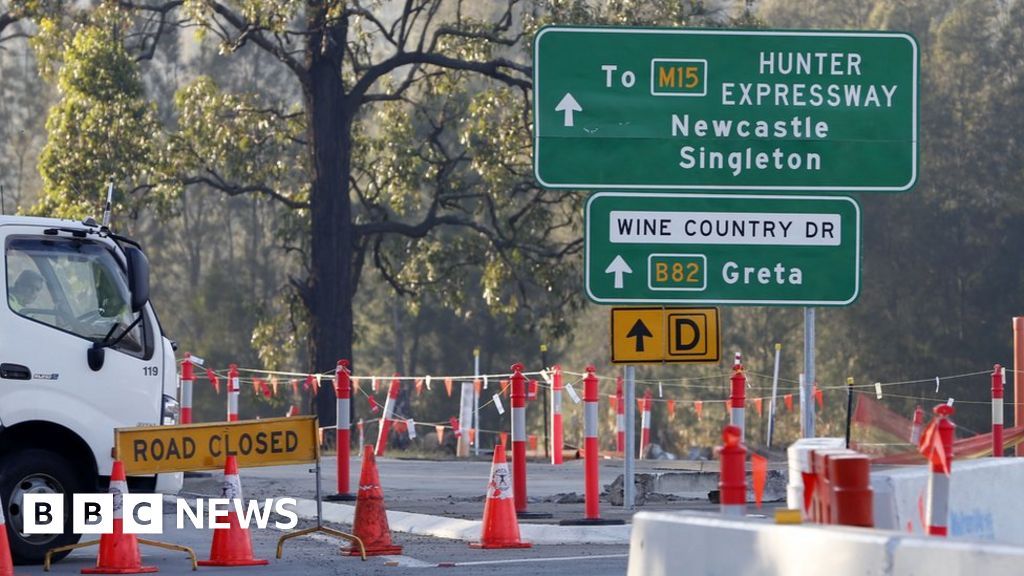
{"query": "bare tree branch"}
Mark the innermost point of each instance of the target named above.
(215, 181)
(492, 68)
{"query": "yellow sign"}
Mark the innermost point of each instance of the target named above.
(189, 447)
(681, 335)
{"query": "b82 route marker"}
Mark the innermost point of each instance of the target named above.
(650, 248)
(759, 110)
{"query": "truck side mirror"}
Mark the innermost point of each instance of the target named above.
(138, 277)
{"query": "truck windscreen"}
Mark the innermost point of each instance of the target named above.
(71, 284)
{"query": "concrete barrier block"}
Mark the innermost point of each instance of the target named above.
(931, 557)
(665, 544)
(980, 506)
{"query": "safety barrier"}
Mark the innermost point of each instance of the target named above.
(664, 544)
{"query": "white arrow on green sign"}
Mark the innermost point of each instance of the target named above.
(651, 248)
(759, 110)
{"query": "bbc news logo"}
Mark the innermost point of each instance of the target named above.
(143, 513)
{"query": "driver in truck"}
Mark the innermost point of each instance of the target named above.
(25, 289)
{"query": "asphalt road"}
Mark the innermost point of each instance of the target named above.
(317, 554)
(448, 489)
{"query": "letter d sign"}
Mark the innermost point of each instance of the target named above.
(43, 513)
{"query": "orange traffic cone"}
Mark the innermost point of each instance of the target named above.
(119, 552)
(371, 521)
(232, 546)
(500, 526)
(6, 565)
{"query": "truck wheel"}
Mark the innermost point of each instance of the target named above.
(36, 472)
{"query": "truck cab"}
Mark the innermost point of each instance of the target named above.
(81, 353)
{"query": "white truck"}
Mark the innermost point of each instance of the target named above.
(81, 353)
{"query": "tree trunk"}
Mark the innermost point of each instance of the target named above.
(331, 284)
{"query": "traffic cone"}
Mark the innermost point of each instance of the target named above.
(119, 552)
(500, 527)
(232, 546)
(371, 521)
(6, 564)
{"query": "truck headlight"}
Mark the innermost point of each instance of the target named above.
(171, 410)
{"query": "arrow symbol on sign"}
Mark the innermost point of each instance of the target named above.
(639, 331)
(618, 267)
(568, 105)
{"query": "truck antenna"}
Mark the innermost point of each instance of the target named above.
(106, 208)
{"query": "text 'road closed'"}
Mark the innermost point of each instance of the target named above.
(269, 442)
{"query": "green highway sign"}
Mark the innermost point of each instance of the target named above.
(671, 109)
(651, 248)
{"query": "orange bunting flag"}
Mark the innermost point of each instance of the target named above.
(531, 392)
(613, 401)
(214, 381)
(472, 435)
(256, 386)
(533, 442)
(788, 398)
(374, 407)
(759, 404)
(439, 429)
(265, 389)
(476, 387)
(819, 397)
(455, 426)
(448, 386)
(295, 386)
(273, 384)
(355, 386)
(698, 407)
(671, 409)
(400, 427)
(419, 386)
(374, 384)
(308, 384)
(505, 388)
(504, 439)
(759, 472)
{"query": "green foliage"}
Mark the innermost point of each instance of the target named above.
(103, 130)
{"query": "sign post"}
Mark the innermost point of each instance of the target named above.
(674, 109)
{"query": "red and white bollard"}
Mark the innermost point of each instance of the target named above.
(187, 377)
(915, 430)
(645, 425)
(620, 417)
(738, 397)
(997, 410)
(556, 416)
(939, 452)
(519, 444)
(519, 437)
(233, 391)
(385, 420)
(732, 481)
(343, 392)
(591, 455)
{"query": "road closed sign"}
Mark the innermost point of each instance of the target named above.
(190, 447)
(656, 335)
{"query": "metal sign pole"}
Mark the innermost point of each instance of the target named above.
(476, 402)
(628, 487)
(775, 392)
(807, 408)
